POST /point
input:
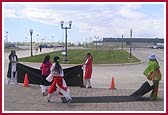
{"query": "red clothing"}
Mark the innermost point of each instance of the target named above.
(58, 80)
(45, 68)
(88, 68)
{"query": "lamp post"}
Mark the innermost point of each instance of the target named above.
(97, 37)
(31, 33)
(37, 38)
(122, 42)
(90, 41)
(131, 43)
(66, 28)
(6, 37)
(52, 38)
(86, 41)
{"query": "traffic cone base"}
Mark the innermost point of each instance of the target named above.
(26, 81)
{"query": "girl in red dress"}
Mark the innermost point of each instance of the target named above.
(88, 71)
(58, 84)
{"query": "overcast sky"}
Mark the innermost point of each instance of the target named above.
(88, 20)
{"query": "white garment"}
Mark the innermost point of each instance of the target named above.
(43, 88)
(66, 93)
(13, 78)
(87, 82)
(59, 89)
(54, 73)
(13, 70)
(13, 59)
(50, 77)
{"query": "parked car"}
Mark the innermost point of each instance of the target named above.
(158, 46)
(46, 46)
(10, 45)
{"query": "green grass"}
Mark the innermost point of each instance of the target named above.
(76, 56)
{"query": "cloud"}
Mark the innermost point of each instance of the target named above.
(103, 19)
(9, 13)
(40, 15)
(129, 11)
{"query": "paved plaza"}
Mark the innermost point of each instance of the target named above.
(128, 77)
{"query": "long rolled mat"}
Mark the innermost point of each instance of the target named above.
(72, 75)
(106, 99)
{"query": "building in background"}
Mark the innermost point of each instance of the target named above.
(125, 42)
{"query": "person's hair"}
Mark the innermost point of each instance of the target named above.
(57, 67)
(11, 52)
(89, 54)
(46, 58)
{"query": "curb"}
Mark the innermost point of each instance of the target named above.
(122, 64)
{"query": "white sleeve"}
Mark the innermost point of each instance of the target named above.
(52, 67)
(86, 61)
(62, 73)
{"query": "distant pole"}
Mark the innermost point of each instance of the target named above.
(90, 41)
(25, 39)
(7, 36)
(31, 33)
(122, 42)
(37, 39)
(131, 43)
(52, 38)
(96, 40)
(86, 41)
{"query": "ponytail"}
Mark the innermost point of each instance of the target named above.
(57, 67)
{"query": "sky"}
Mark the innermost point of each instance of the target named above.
(89, 21)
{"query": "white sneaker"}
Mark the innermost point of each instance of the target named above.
(48, 98)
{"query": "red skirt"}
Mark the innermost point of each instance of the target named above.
(88, 74)
(59, 81)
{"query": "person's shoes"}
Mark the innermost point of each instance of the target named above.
(48, 98)
(69, 101)
(90, 87)
(44, 93)
(83, 86)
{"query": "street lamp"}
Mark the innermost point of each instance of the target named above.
(62, 27)
(131, 43)
(37, 38)
(52, 38)
(97, 37)
(90, 41)
(86, 41)
(31, 33)
(122, 42)
(6, 36)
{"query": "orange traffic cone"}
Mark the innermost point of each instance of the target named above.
(26, 81)
(112, 84)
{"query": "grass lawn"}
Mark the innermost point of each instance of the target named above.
(78, 56)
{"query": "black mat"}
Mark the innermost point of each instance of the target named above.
(72, 75)
(144, 88)
(105, 99)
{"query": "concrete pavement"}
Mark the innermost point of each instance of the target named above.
(127, 79)
(19, 98)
